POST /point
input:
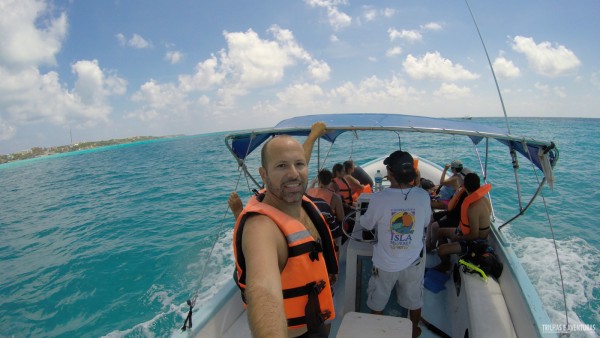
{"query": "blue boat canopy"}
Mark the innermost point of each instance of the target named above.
(244, 143)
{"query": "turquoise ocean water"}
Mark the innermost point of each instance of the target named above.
(113, 241)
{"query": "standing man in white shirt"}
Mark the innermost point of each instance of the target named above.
(400, 215)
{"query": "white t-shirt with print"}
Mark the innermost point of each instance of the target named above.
(400, 226)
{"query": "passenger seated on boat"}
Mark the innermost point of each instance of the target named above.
(400, 214)
(428, 185)
(448, 187)
(342, 187)
(355, 186)
(474, 226)
(445, 218)
(332, 200)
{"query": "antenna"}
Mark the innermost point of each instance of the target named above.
(491, 67)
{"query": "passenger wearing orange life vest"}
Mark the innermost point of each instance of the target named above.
(324, 192)
(341, 186)
(355, 185)
(474, 226)
(284, 251)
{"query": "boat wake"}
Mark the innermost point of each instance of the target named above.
(173, 313)
(580, 264)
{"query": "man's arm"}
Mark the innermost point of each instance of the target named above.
(443, 178)
(369, 219)
(264, 245)
(354, 183)
(338, 208)
(317, 130)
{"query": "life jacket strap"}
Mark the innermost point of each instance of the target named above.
(312, 248)
(313, 317)
(315, 287)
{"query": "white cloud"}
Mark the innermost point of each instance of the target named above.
(122, 39)
(301, 96)
(369, 13)
(27, 41)
(407, 35)
(560, 92)
(159, 101)
(31, 37)
(546, 59)
(248, 63)
(206, 76)
(395, 51)
(544, 88)
(388, 12)
(319, 70)
(325, 3)
(337, 19)
(174, 56)
(92, 86)
(136, 41)
(253, 62)
(333, 38)
(370, 94)
(432, 26)
(7, 131)
(505, 68)
(433, 66)
(452, 91)
(29, 96)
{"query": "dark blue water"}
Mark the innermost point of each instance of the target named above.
(113, 241)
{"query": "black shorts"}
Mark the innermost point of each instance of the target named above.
(447, 223)
(438, 215)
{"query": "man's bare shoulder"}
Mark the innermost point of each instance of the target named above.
(259, 222)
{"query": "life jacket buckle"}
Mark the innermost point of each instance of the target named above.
(314, 253)
(319, 286)
(325, 315)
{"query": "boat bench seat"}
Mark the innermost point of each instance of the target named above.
(359, 325)
(487, 311)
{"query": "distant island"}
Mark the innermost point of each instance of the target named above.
(40, 151)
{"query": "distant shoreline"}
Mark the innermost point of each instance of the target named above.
(37, 152)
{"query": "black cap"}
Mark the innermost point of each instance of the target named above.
(399, 162)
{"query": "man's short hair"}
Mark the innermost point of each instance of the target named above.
(325, 176)
(337, 168)
(348, 165)
(472, 182)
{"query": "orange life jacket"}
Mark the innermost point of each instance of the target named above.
(305, 277)
(345, 190)
(365, 190)
(474, 196)
(324, 194)
(455, 198)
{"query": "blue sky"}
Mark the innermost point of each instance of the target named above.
(116, 68)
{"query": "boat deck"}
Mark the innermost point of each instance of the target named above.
(435, 308)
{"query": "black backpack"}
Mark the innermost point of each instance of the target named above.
(482, 255)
